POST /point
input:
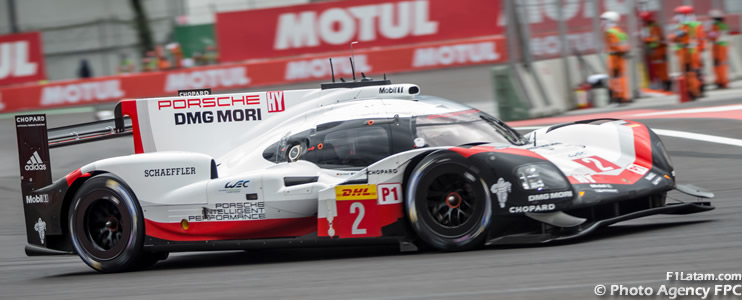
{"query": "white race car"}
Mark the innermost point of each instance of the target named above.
(354, 162)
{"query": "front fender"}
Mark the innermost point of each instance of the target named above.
(497, 167)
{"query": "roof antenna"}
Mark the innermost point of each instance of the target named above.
(332, 71)
(352, 58)
(352, 68)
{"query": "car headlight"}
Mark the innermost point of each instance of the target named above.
(540, 177)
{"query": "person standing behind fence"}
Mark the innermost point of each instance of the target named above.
(687, 47)
(126, 65)
(717, 36)
(85, 71)
(655, 48)
(617, 47)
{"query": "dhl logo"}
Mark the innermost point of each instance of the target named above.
(355, 192)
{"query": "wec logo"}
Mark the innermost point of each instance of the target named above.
(236, 185)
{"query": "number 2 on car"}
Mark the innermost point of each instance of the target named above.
(597, 164)
(357, 211)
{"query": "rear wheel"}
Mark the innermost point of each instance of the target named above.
(448, 203)
(107, 226)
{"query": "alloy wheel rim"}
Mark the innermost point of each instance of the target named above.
(450, 200)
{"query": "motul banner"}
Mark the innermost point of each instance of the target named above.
(484, 50)
(21, 58)
(332, 26)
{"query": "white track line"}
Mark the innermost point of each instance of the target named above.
(693, 110)
(676, 134)
(699, 137)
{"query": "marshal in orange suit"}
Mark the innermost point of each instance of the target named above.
(617, 48)
(688, 37)
(655, 49)
(719, 46)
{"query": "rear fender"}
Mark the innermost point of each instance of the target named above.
(153, 175)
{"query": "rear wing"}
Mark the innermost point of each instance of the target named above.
(39, 195)
(91, 131)
(34, 142)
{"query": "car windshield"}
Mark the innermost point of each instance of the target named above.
(463, 127)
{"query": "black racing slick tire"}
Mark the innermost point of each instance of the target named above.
(107, 225)
(448, 203)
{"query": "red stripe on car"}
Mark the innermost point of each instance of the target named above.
(129, 108)
(71, 177)
(232, 230)
(466, 152)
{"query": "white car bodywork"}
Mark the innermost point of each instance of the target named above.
(237, 147)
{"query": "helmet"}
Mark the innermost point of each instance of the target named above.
(646, 16)
(715, 13)
(684, 9)
(610, 16)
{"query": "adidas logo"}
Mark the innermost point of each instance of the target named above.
(35, 163)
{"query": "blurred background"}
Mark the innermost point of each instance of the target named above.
(515, 59)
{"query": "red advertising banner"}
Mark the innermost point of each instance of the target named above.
(332, 26)
(21, 58)
(542, 19)
(484, 50)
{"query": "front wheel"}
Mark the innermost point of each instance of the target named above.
(107, 225)
(448, 203)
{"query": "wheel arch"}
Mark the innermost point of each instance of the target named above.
(416, 160)
(138, 259)
(69, 197)
(412, 163)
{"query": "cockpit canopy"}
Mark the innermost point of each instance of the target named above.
(355, 144)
